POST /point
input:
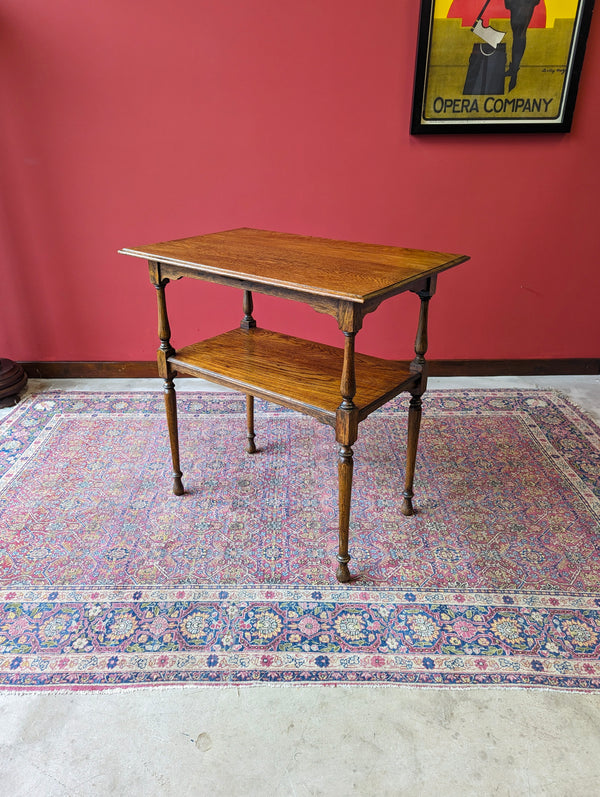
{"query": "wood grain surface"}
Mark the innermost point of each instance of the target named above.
(297, 373)
(354, 272)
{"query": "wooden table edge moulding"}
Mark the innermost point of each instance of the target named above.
(337, 386)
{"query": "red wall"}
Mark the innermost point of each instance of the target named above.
(125, 123)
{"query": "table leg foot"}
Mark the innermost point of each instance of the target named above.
(178, 485)
(343, 573)
(407, 505)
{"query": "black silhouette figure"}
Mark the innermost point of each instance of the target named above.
(486, 72)
(521, 12)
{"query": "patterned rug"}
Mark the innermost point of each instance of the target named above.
(108, 579)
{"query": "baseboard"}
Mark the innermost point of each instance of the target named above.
(134, 369)
(550, 367)
(147, 368)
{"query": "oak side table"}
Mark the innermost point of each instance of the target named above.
(334, 385)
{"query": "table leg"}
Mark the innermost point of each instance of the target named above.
(414, 425)
(346, 432)
(248, 322)
(166, 371)
(418, 366)
(171, 408)
(345, 469)
(251, 448)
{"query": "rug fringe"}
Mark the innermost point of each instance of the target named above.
(100, 691)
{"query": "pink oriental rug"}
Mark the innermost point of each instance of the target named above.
(107, 579)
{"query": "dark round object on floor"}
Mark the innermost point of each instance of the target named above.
(12, 380)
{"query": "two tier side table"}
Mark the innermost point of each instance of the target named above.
(337, 386)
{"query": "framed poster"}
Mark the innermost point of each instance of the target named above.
(498, 65)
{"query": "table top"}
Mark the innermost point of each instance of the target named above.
(354, 272)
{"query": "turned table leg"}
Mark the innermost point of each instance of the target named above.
(345, 469)
(414, 425)
(248, 322)
(346, 430)
(171, 408)
(251, 448)
(166, 372)
(418, 366)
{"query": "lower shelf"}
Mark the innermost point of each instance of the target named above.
(297, 373)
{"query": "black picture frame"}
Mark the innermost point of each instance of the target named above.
(464, 77)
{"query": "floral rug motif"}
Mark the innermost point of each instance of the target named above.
(108, 580)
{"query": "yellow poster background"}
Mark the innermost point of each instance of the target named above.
(540, 88)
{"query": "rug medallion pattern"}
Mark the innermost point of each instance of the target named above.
(107, 579)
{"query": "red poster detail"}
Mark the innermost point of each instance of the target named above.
(468, 11)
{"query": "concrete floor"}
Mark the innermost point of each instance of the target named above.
(305, 740)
